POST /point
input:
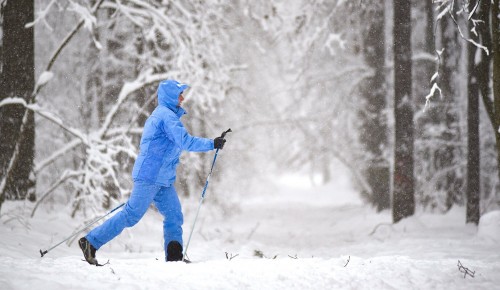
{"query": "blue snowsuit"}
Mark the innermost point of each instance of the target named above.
(163, 140)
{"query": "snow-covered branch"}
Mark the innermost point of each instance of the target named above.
(474, 22)
(43, 79)
(12, 161)
(70, 35)
(65, 176)
(434, 88)
(144, 79)
(174, 41)
(447, 8)
(100, 153)
(57, 154)
(41, 15)
(47, 115)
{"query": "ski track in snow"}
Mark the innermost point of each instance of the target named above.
(310, 238)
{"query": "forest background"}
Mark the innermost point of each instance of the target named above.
(404, 95)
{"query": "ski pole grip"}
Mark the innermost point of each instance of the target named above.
(225, 132)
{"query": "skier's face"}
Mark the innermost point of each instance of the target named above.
(181, 99)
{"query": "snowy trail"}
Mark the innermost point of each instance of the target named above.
(376, 273)
(317, 238)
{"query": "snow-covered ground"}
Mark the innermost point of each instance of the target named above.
(294, 236)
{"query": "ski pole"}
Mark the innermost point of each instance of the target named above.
(86, 227)
(203, 195)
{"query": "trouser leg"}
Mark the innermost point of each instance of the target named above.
(135, 208)
(169, 206)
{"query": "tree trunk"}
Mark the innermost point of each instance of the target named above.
(492, 105)
(495, 33)
(478, 82)
(451, 184)
(17, 77)
(374, 124)
(429, 119)
(403, 203)
(473, 151)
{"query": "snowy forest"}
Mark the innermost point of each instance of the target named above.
(391, 107)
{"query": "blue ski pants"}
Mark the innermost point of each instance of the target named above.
(167, 203)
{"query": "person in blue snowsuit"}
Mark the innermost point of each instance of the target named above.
(163, 140)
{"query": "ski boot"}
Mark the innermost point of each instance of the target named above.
(88, 251)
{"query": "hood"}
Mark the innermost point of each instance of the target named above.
(168, 94)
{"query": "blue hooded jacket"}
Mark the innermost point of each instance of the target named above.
(165, 137)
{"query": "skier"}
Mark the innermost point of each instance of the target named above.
(163, 139)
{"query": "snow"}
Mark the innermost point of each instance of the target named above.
(489, 227)
(86, 15)
(44, 78)
(12, 101)
(292, 235)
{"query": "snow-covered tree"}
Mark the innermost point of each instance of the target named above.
(450, 153)
(427, 119)
(170, 40)
(472, 16)
(307, 62)
(373, 116)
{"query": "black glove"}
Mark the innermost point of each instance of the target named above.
(219, 142)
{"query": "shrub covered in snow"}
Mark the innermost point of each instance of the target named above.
(489, 226)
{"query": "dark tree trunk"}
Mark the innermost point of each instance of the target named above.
(495, 30)
(429, 27)
(478, 83)
(473, 182)
(492, 105)
(373, 118)
(17, 80)
(403, 203)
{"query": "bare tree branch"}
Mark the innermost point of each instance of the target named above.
(66, 175)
